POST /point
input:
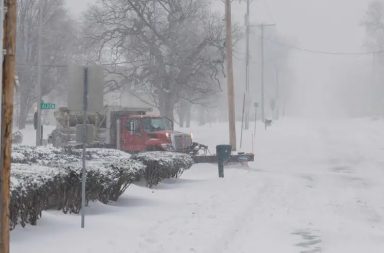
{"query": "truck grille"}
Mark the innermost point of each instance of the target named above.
(182, 142)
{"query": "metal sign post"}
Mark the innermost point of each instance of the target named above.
(83, 171)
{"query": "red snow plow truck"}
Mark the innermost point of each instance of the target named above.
(128, 129)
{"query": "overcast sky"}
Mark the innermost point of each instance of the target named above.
(77, 6)
(322, 24)
(326, 25)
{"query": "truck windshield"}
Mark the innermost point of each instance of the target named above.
(157, 124)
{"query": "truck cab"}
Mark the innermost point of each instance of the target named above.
(148, 133)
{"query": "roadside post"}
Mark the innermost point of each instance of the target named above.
(86, 84)
(256, 105)
(84, 132)
(43, 106)
(223, 152)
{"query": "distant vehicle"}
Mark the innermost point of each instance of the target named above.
(128, 129)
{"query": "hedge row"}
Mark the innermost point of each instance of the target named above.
(44, 178)
(160, 165)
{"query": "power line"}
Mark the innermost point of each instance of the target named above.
(323, 52)
(42, 65)
(66, 65)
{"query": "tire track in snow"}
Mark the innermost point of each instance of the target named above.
(238, 221)
(206, 222)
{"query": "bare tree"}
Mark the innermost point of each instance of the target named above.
(169, 50)
(58, 44)
(374, 26)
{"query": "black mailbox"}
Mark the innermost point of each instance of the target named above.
(223, 153)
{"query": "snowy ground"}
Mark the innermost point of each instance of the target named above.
(316, 186)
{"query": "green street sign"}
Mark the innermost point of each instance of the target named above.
(47, 106)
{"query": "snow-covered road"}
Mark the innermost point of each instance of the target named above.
(316, 186)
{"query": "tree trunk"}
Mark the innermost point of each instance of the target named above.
(184, 113)
(181, 114)
(202, 120)
(166, 105)
(188, 116)
(24, 108)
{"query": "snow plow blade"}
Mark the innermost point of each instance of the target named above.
(238, 158)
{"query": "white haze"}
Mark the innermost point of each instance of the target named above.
(322, 85)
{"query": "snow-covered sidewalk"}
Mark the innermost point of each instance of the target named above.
(316, 186)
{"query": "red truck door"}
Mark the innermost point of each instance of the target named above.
(132, 135)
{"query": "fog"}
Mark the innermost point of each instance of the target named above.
(322, 84)
(317, 84)
(130, 98)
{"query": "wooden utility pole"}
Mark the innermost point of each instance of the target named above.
(6, 123)
(245, 113)
(247, 102)
(230, 82)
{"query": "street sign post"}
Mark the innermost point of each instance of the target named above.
(84, 169)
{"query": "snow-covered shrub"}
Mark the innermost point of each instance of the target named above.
(160, 165)
(98, 154)
(41, 155)
(46, 177)
(106, 181)
(31, 187)
(43, 178)
(117, 177)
